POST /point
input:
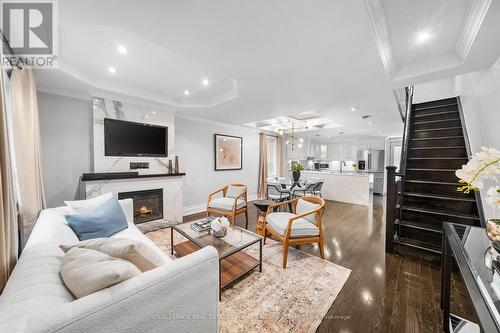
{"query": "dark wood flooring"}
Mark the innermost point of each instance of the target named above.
(384, 293)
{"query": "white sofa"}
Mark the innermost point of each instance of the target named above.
(180, 296)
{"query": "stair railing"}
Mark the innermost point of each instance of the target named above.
(394, 179)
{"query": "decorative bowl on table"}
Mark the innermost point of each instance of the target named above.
(493, 229)
(219, 226)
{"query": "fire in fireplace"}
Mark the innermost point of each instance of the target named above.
(148, 204)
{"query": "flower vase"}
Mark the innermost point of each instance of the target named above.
(493, 229)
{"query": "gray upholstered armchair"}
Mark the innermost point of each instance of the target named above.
(232, 203)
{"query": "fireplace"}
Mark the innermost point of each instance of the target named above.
(148, 204)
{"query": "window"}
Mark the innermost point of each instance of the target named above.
(272, 156)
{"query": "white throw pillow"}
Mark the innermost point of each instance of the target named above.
(304, 207)
(235, 191)
(86, 206)
(138, 253)
(86, 271)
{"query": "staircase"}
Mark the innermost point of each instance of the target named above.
(425, 195)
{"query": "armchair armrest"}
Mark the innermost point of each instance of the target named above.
(271, 207)
(244, 195)
(222, 189)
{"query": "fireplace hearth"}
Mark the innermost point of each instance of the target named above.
(148, 204)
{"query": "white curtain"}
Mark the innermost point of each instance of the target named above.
(262, 166)
(27, 154)
(8, 214)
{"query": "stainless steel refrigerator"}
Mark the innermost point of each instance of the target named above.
(374, 163)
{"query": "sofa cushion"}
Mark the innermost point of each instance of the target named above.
(235, 191)
(304, 206)
(88, 205)
(137, 252)
(226, 204)
(104, 221)
(86, 271)
(300, 228)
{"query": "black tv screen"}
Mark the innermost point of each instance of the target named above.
(126, 138)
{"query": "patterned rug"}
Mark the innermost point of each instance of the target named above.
(294, 299)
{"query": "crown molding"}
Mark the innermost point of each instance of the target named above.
(472, 23)
(378, 24)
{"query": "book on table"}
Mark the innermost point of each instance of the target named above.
(203, 225)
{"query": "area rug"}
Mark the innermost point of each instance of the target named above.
(294, 299)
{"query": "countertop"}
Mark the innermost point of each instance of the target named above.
(347, 173)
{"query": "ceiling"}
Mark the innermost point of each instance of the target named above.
(266, 59)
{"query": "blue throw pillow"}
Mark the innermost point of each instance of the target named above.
(104, 221)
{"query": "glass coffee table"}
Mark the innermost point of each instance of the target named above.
(233, 261)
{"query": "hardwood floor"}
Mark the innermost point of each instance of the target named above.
(384, 293)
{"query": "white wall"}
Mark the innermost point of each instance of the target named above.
(195, 147)
(66, 136)
(480, 97)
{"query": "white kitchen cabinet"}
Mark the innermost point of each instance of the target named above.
(333, 151)
(353, 151)
(343, 151)
(323, 151)
(364, 145)
(378, 145)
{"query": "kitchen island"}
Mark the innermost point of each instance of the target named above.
(350, 187)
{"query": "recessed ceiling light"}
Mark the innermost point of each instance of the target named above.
(370, 123)
(122, 49)
(423, 36)
(354, 108)
(186, 92)
(379, 132)
(112, 70)
(301, 140)
(205, 82)
(329, 136)
(154, 112)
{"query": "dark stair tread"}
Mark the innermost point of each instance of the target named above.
(439, 138)
(434, 121)
(417, 108)
(436, 129)
(431, 182)
(434, 196)
(434, 113)
(429, 169)
(437, 212)
(439, 158)
(438, 147)
(417, 225)
(418, 244)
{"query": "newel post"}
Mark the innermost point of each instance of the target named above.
(390, 215)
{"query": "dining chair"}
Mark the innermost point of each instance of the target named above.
(277, 193)
(302, 226)
(232, 203)
(317, 189)
(303, 191)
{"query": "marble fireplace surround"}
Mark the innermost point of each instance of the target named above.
(170, 184)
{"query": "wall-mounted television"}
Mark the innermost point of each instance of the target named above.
(127, 138)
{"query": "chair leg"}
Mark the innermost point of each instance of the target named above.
(285, 252)
(246, 219)
(321, 253)
(265, 235)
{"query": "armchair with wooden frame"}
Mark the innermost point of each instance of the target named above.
(301, 227)
(232, 203)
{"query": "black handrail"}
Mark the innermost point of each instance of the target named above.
(406, 131)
